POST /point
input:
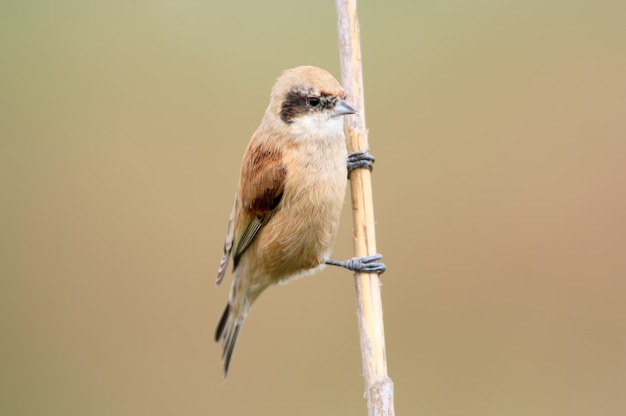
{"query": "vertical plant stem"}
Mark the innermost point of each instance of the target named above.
(379, 387)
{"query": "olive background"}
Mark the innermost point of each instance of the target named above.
(499, 129)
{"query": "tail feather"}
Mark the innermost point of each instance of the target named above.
(230, 346)
(227, 332)
(219, 331)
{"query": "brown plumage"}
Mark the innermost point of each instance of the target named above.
(291, 190)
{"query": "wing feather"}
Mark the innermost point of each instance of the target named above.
(228, 244)
(261, 188)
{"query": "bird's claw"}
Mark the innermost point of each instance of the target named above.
(360, 159)
(367, 264)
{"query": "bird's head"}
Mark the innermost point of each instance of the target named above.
(308, 101)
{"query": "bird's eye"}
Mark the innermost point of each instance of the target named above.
(313, 101)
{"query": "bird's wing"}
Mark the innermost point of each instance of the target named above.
(228, 244)
(261, 189)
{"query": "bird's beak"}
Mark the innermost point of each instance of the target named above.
(341, 108)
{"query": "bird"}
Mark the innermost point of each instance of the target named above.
(291, 190)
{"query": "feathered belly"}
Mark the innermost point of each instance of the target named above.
(301, 233)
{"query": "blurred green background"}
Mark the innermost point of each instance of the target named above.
(500, 186)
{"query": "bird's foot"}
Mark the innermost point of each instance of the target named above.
(367, 264)
(360, 159)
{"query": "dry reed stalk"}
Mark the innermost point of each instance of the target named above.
(379, 387)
